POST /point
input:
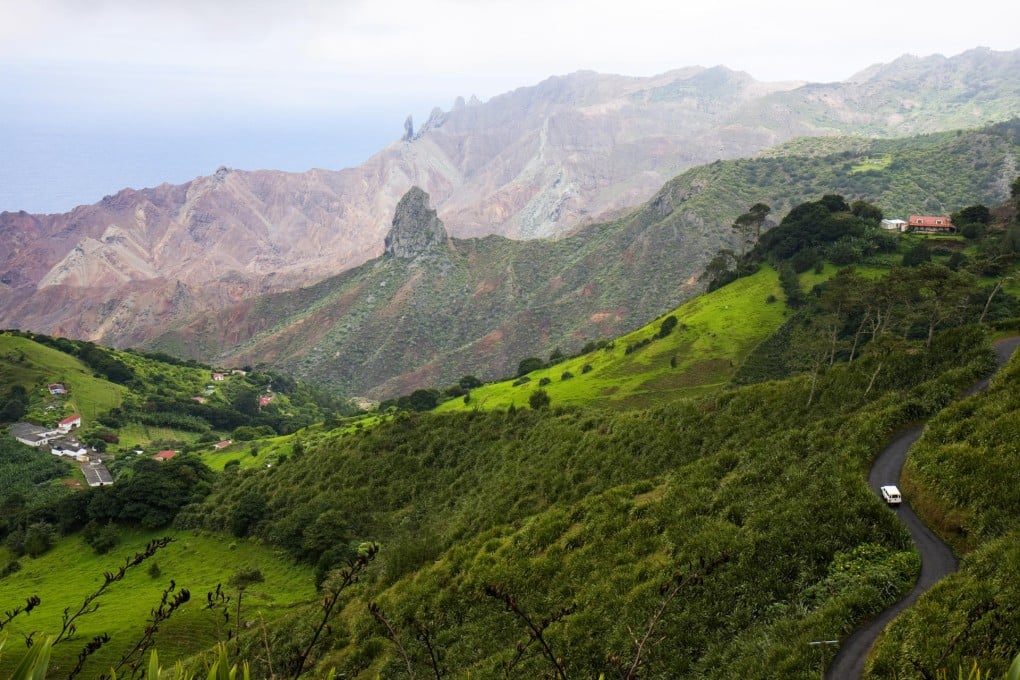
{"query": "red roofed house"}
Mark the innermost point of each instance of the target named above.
(219, 376)
(223, 444)
(165, 455)
(930, 223)
(69, 423)
(56, 388)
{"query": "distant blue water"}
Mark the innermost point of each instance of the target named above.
(46, 170)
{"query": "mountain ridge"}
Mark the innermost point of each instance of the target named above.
(477, 306)
(541, 161)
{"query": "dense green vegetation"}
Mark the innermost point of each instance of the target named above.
(708, 338)
(596, 510)
(963, 476)
(635, 510)
(198, 563)
(480, 306)
(153, 402)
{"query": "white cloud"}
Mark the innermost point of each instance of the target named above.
(315, 54)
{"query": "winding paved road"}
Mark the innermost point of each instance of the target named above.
(937, 560)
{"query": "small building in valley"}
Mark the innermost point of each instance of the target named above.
(32, 435)
(893, 225)
(68, 447)
(96, 473)
(69, 423)
(931, 224)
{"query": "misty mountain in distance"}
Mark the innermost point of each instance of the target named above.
(541, 161)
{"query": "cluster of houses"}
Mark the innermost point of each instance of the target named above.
(265, 399)
(62, 442)
(930, 224)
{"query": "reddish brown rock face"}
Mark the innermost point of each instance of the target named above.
(537, 162)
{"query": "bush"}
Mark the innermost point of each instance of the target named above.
(102, 539)
(543, 382)
(917, 255)
(539, 399)
(39, 538)
(567, 375)
(528, 365)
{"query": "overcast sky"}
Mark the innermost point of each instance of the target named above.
(209, 66)
(297, 55)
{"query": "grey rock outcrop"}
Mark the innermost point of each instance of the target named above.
(416, 230)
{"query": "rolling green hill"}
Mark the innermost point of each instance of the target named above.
(713, 335)
(594, 511)
(726, 525)
(69, 573)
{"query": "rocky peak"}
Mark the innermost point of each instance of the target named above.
(416, 229)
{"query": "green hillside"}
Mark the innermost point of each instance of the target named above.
(713, 335)
(715, 506)
(33, 366)
(594, 510)
(395, 324)
(66, 575)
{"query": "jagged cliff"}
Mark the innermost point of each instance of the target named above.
(417, 230)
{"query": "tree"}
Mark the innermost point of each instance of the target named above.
(469, 382)
(760, 211)
(39, 538)
(721, 270)
(974, 214)
(420, 400)
(539, 399)
(917, 255)
(250, 509)
(528, 365)
(668, 324)
(835, 203)
(744, 225)
(751, 222)
(939, 295)
(866, 211)
(246, 401)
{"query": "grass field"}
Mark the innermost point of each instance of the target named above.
(714, 334)
(872, 163)
(71, 571)
(35, 366)
(266, 451)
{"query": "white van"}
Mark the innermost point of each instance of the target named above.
(891, 495)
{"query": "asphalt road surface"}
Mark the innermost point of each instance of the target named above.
(937, 560)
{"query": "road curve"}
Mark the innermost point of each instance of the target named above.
(937, 560)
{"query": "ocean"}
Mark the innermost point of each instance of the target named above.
(48, 170)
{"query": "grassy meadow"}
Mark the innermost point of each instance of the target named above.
(35, 366)
(197, 562)
(713, 335)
